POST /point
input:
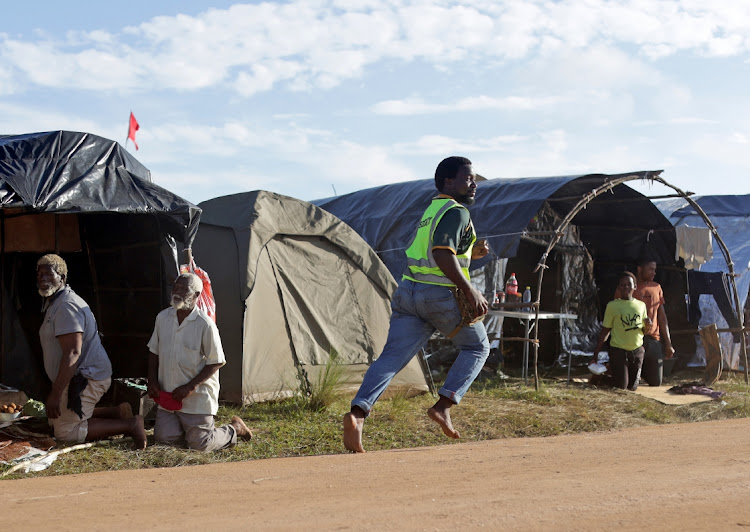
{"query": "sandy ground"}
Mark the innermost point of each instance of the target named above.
(679, 477)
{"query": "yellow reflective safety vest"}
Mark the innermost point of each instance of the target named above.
(421, 264)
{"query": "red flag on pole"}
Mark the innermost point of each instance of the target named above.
(132, 128)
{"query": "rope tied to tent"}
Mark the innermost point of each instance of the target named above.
(522, 233)
(591, 195)
(541, 264)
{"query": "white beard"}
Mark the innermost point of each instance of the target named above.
(48, 292)
(182, 304)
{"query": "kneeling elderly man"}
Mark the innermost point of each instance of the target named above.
(77, 364)
(185, 358)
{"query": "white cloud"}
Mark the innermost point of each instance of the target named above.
(723, 148)
(680, 120)
(301, 45)
(347, 165)
(417, 106)
(354, 166)
(598, 66)
(262, 77)
(46, 65)
(438, 145)
(199, 187)
(7, 83)
(17, 119)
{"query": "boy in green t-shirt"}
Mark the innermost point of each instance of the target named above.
(625, 319)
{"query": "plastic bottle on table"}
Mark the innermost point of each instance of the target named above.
(498, 300)
(511, 286)
(527, 298)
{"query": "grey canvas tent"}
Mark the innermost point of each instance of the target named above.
(292, 284)
(518, 217)
(86, 198)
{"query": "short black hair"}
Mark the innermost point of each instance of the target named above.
(627, 274)
(447, 169)
(644, 259)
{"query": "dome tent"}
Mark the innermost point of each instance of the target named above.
(293, 284)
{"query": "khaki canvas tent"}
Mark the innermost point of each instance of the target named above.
(293, 284)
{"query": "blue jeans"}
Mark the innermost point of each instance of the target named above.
(418, 310)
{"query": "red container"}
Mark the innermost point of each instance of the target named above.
(165, 400)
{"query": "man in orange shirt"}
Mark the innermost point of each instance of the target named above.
(658, 332)
(651, 294)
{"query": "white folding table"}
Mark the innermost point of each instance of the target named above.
(529, 321)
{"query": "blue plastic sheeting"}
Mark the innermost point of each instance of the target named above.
(730, 215)
(386, 216)
(717, 206)
(70, 172)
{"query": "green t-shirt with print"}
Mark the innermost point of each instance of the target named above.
(453, 231)
(625, 317)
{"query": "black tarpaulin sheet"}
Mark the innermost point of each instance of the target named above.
(71, 172)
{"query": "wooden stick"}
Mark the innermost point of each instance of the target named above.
(54, 454)
(522, 339)
(696, 331)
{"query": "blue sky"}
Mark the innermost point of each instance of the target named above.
(307, 97)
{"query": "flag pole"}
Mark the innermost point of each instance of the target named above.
(128, 133)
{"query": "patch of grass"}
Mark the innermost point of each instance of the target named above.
(322, 390)
(492, 409)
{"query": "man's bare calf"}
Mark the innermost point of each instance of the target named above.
(100, 428)
(121, 411)
(354, 422)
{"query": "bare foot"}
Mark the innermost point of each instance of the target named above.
(443, 418)
(243, 433)
(138, 433)
(353, 426)
(125, 411)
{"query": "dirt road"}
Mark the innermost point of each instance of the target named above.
(678, 477)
